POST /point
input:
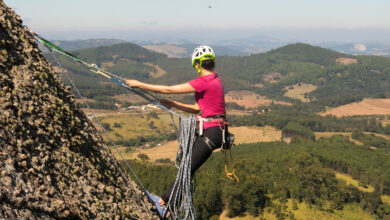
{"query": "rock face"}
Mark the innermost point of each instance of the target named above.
(53, 163)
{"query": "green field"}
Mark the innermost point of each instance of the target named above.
(350, 181)
(349, 212)
(385, 199)
(305, 212)
(130, 126)
(298, 91)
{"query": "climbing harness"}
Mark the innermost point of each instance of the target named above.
(227, 141)
(201, 120)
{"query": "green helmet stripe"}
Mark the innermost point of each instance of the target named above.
(204, 57)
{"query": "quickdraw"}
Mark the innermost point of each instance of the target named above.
(227, 145)
(231, 175)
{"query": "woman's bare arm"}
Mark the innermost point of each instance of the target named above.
(190, 108)
(175, 89)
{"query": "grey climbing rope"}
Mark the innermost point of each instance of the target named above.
(180, 202)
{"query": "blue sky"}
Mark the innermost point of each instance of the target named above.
(120, 18)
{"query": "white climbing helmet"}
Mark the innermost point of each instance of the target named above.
(201, 52)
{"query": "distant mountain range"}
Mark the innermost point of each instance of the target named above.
(83, 44)
(234, 47)
(379, 49)
(337, 78)
(261, 44)
(178, 50)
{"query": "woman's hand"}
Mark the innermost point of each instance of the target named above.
(167, 103)
(133, 83)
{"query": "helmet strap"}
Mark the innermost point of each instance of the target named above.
(199, 68)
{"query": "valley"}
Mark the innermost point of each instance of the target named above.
(311, 121)
(364, 107)
(294, 105)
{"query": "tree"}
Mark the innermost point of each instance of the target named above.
(152, 114)
(143, 156)
(294, 205)
(106, 126)
(293, 130)
(117, 125)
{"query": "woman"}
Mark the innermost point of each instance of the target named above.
(209, 97)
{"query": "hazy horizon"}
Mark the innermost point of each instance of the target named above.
(286, 35)
(208, 20)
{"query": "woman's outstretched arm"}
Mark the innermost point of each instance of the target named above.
(175, 89)
(190, 108)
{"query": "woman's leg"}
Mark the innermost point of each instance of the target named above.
(200, 153)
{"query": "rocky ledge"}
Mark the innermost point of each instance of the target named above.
(53, 163)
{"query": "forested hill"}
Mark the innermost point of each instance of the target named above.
(83, 44)
(305, 53)
(337, 78)
(118, 52)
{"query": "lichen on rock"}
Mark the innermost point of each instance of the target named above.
(53, 163)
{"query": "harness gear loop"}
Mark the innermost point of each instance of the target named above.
(232, 174)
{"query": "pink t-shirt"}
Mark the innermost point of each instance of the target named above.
(210, 97)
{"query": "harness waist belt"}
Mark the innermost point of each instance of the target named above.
(209, 119)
